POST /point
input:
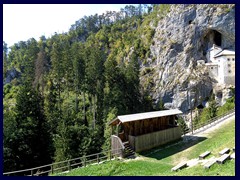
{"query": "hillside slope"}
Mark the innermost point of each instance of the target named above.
(161, 162)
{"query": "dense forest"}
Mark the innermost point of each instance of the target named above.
(67, 87)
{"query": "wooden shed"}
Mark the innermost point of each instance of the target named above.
(144, 131)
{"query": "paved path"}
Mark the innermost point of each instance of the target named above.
(210, 127)
(214, 124)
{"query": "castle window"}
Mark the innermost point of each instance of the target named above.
(211, 67)
(233, 59)
(228, 59)
(218, 60)
(229, 65)
(229, 71)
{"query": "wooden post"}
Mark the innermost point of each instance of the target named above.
(110, 155)
(98, 158)
(52, 169)
(84, 161)
(190, 106)
(69, 165)
(31, 172)
(191, 119)
(117, 130)
(122, 153)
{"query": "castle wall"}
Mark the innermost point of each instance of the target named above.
(226, 69)
(213, 70)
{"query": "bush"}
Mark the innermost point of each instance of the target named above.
(6, 89)
(213, 111)
(183, 125)
(230, 104)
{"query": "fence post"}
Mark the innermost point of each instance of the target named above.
(110, 155)
(52, 169)
(84, 161)
(31, 172)
(122, 155)
(69, 165)
(98, 158)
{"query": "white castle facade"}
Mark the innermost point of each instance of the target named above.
(221, 64)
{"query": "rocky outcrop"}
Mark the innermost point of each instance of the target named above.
(222, 92)
(10, 75)
(181, 38)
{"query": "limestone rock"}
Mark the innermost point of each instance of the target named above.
(181, 38)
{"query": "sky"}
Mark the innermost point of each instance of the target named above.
(24, 21)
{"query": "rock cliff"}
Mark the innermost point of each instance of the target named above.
(181, 38)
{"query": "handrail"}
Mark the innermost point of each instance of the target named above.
(61, 162)
(212, 120)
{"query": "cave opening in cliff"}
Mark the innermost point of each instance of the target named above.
(217, 38)
(211, 37)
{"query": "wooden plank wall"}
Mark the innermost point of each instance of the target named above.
(148, 141)
(146, 126)
(131, 140)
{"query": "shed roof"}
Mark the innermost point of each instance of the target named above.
(147, 115)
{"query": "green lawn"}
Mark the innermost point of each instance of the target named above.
(161, 162)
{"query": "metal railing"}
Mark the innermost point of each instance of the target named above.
(213, 121)
(67, 165)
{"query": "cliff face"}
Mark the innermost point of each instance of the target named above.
(181, 38)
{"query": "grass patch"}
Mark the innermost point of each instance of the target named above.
(161, 162)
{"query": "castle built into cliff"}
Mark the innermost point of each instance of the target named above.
(221, 64)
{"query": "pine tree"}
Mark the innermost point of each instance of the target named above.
(107, 131)
(57, 70)
(94, 78)
(183, 125)
(50, 106)
(114, 92)
(212, 107)
(10, 139)
(33, 137)
(132, 85)
(78, 72)
(30, 55)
